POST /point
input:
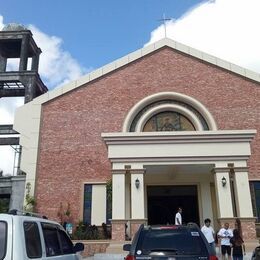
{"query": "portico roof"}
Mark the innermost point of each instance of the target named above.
(186, 146)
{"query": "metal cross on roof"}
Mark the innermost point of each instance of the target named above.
(164, 19)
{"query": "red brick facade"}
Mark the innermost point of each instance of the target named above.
(93, 247)
(71, 150)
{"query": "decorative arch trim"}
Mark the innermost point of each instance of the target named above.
(166, 96)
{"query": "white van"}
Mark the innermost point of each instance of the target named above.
(26, 237)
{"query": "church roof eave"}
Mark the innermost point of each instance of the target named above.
(166, 42)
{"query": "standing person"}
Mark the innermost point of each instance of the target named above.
(238, 227)
(178, 217)
(208, 232)
(225, 234)
(237, 245)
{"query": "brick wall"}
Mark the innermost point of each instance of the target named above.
(93, 247)
(71, 149)
(118, 231)
(247, 226)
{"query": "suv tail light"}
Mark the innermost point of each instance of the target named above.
(213, 257)
(130, 257)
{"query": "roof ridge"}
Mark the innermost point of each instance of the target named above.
(135, 55)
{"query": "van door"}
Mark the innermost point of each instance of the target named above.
(6, 237)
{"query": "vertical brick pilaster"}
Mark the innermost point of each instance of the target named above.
(135, 224)
(118, 230)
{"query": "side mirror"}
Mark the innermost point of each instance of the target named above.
(127, 247)
(78, 247)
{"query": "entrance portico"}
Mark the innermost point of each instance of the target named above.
(199, 158)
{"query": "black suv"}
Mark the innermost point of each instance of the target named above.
(169, 242)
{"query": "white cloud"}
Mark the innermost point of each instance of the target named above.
(1, 22)
(227, 29)
(56, 67)
(7, 109)
(7, 155)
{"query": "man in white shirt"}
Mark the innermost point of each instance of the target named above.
(178, 218)
(225, 234)
(208, 232)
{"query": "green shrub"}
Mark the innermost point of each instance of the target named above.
(90, 232)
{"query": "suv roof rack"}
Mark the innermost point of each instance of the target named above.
(25, 213)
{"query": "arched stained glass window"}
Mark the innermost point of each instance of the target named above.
(168, 121)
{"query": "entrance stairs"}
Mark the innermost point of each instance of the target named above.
(113, 252)
(116, 247)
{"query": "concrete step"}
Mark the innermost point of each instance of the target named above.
(108, 257)
(251, 245)
(116, 248)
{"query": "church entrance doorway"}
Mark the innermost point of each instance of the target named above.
(163, 202)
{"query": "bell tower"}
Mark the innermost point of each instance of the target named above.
(16, 42)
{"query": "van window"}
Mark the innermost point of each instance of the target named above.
(66, 244)
(50, 233)
(32, 239)
(3, 239)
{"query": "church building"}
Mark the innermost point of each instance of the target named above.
(171, 126)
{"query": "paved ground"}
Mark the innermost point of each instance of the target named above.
(105, 257)
(121, 257)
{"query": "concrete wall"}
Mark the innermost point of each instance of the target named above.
(15, 187)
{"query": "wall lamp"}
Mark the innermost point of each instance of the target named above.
(137, 183)
(223, 181)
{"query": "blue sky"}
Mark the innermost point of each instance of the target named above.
(95, 32)
(79, 36)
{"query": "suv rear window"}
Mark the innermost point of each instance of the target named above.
(3, 239)
(56, 240)
(173, 240)
(50, 233)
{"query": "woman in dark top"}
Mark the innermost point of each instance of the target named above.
(237, 245)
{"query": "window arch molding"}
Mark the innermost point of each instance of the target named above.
(169, 96)
(169, 107)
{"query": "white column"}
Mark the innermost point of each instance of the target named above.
(223, 193)
(118, 195)
(242, 193)
(206, 201)
(137, 195)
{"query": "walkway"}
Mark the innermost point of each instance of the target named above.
(121, 257)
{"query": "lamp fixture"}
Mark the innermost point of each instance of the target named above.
(224, 181)
(137, 183)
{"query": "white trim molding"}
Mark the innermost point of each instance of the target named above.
(166, 96)
(179, 146)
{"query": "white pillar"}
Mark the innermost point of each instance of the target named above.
(206, 201)
(223, 193)
(137, 195)
(242, 193)
(118, 195)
